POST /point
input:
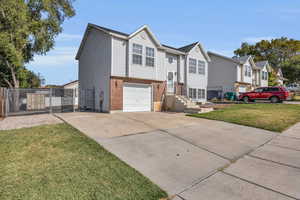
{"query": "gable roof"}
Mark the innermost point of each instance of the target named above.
(76, 81)
(188, 48)
(242, 59)
(261, 64)
(108, 29)
(147, 29)
(224, 57)
(182, 50)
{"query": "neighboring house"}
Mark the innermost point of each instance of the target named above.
(73, 85)
(262, 74)
(132, 72)
(238, 74)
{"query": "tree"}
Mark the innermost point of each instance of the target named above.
(27, 28)
(272, 81)
(279, 52)
(291, 69)
(25, 77)
(275, 51)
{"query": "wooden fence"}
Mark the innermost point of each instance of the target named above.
(2, 102)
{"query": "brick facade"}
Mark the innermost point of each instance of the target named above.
(179, 89)
(116, 94)
(116, 91)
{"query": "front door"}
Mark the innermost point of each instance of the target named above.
(170, 83)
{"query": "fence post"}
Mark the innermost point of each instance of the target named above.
(74, 99)
(50, 100)
(6, 102)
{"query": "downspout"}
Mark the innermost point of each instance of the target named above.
(186, 74)
(127, 59)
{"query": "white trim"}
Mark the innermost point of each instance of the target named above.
(145, 27)
(202, 51)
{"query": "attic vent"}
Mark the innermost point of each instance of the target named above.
(143, 35)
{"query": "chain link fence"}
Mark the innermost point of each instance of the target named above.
(33, 101)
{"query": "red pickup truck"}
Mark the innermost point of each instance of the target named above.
(273, 94)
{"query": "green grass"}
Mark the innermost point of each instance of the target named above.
(59, 162)
(273, 117)
(296, 98)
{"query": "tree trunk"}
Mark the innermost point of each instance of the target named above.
(14, 98)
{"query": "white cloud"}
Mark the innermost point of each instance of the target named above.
(257, 39)
(68, 37)
(60, 56)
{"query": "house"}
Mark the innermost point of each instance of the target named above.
(73, 85)
(262, 74)
(132, 72)
(237, 74)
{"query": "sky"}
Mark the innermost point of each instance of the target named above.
(220, 26)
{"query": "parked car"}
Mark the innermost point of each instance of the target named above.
(273, 94)
(293, 87)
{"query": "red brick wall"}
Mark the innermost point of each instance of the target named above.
(116, 94)
(179, 88)
(116, 90)
(158, 91)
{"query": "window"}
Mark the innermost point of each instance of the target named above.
(248, 70)
(192, 66)
(137, 52)
(274, 89)
(201, 67)
(150, 57)
(266, 76)
(201, 94)
(192, 93)
(258, 90)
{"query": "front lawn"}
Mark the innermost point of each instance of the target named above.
(273, 117)
(58, 162)
(296, 98)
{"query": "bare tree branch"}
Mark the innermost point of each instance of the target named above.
(6, 80)
(13, 74)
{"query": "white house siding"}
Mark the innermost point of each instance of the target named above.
(197, 80)
(171, 67)
(119, 52)
(73, 86)
(182, 69)
(142, 71)
(94, 66)
(247, 79)
(239, 73)
(160, 66)
(222, 74)
(264, 83)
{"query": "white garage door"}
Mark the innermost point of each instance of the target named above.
(136, 97)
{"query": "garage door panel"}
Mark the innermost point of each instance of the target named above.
(136, 98)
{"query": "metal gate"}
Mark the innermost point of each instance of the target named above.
(87, 99)
(33, 101)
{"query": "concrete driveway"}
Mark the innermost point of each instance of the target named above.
(197, 159)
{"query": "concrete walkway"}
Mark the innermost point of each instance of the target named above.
(28, 121)
(199, 159)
